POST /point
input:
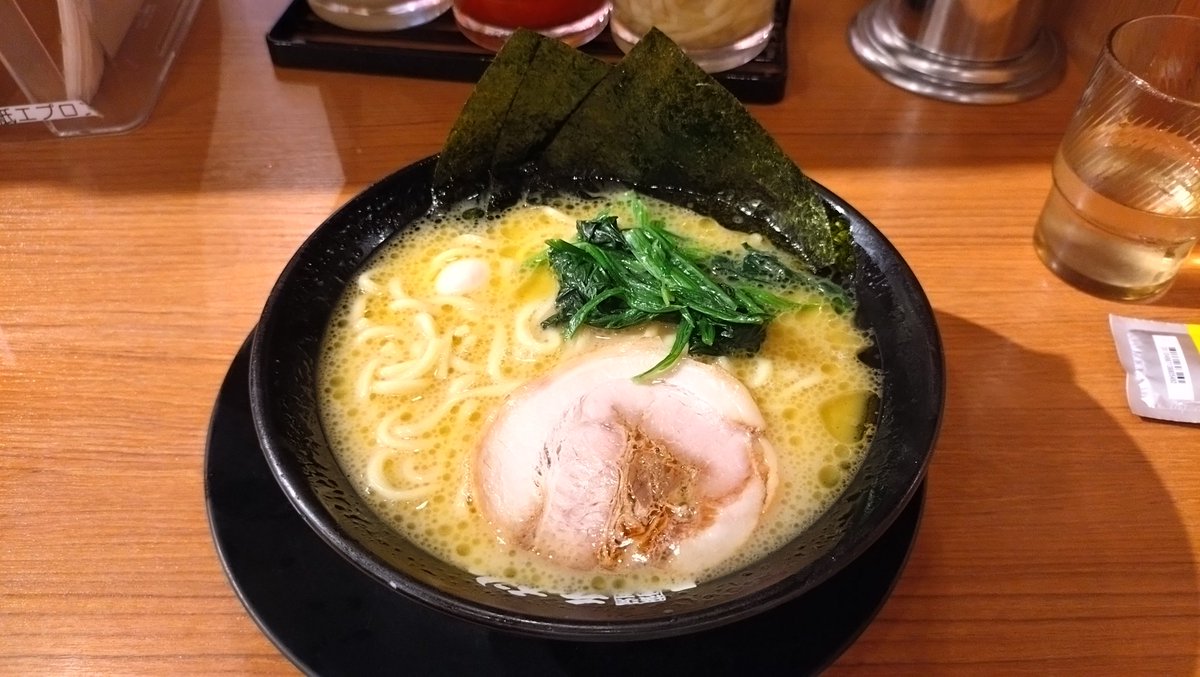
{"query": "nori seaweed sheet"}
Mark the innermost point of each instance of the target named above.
(467, 153)
(654, 121)
(532, 87)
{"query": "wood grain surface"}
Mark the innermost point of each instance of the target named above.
(1061, 532)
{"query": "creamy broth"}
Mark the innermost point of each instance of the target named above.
(412, 369)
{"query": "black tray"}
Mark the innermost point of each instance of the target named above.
(331, 619)
(438, 51)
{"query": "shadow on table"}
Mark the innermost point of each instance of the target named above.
(1048, 540)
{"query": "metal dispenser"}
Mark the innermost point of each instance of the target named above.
(969, 51)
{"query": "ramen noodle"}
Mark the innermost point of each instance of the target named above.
(439, 349)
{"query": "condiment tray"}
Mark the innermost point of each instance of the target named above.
(436, 50)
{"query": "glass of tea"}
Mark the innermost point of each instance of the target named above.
(1123, 213)
(488, 23)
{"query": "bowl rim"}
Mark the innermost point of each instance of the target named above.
(868, 240)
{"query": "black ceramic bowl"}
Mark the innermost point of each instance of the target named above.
(284, 404)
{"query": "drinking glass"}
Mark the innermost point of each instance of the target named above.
(378, 15)
(488, 23)
(1124, 210)
(717, 34)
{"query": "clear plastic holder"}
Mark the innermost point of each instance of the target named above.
(85, 67)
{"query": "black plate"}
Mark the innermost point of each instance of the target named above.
(331, 619)
(286, 345)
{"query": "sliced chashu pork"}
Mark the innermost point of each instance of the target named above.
(592, 469)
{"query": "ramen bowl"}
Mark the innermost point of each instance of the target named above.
(283, 372)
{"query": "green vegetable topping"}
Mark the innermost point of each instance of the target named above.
(612, 278)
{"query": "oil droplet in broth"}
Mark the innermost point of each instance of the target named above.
(843, 416)
(829, 476)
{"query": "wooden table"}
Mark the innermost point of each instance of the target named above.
(1061, 532)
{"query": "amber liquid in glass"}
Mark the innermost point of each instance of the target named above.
(1091, 236)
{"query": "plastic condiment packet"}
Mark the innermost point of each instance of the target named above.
(1162, 365)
